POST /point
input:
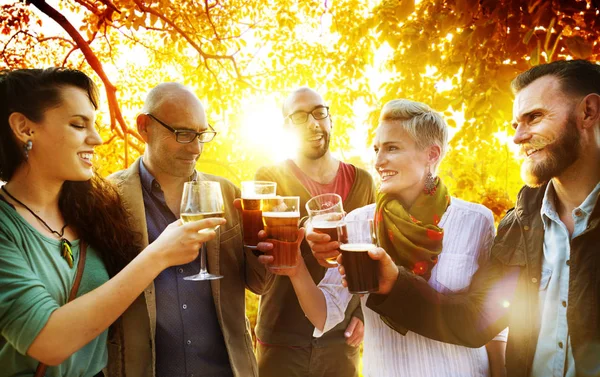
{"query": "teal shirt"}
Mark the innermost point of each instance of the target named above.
(35, 281)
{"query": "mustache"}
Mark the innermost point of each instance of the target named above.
(538, 142)
(313, 134)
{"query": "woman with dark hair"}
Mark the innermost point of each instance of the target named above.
(54, 212)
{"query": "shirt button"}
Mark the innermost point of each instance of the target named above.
(534, 280)
(560, 345)
(578, 212)
(184, 306)
(568, 262)
(190, 342)
(564, 304)
(526, 227)
(180, 270)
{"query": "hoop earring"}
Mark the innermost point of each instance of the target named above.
(27, 147)
(430, 186)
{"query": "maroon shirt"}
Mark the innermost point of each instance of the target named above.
(340, 185)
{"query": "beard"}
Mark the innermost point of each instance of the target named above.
(314, 154)
(560, 155)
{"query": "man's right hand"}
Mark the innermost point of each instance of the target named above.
(388, 271)
(180, 243)
(322, 247)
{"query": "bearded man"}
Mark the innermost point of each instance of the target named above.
(286, 346)
(543, 281)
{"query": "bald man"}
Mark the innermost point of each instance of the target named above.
(286, 345)
(177, 327)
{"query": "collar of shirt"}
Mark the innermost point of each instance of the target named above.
(150, 184)
(548, 210)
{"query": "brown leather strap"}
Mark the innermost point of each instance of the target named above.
(41, 369)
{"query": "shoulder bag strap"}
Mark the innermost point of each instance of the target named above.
(41, 369)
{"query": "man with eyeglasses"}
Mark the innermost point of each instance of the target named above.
(286, 346)
(179, 327)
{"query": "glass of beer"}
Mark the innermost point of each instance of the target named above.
(280, 217)
(361, 270)
(326, 212)
(201, 200)
(252, 194)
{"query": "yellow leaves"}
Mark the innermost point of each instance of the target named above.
(404, 9)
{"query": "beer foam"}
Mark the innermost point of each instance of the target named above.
(286, 215)
(325, 224)
(258, 196)
(357, 247)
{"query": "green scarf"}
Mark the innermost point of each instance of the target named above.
(412, 237)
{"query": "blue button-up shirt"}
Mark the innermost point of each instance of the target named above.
(553, 355)
(189, 340)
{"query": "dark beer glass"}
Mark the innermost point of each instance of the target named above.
(326, 212)
(361, 271)
(280, 217)
(252, 194)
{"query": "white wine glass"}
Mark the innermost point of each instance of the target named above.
(201, 200)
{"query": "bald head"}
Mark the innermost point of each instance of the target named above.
(288, 104)
(168, 95)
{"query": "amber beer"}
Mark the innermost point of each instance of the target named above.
(251, 220)
(326, 211)
(282, 228)
(361, 270)
(252, 194)
(330, 228)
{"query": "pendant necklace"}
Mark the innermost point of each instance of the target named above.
(65, 245)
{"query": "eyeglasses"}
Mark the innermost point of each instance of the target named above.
(187, 136)
(318, 113)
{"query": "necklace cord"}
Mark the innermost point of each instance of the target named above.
(59, 235)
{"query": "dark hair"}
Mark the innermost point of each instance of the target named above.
(577, 77)
(92, 208)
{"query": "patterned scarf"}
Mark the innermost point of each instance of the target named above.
(412, 237)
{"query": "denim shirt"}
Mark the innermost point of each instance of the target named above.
(189, 340)
(553, 355)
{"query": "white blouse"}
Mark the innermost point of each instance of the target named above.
(468, 235)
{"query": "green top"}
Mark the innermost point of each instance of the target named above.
(281, 320)
(35, 281)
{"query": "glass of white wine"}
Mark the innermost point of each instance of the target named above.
(201, 200)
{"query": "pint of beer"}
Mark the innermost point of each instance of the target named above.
(252, 194)
(361, 271)
(326, 212)
(280, 217)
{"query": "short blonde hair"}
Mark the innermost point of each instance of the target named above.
(425, 125)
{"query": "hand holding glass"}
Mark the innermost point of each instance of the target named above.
(326, 212)
(361, 270)
(201, 200)
(280, 217)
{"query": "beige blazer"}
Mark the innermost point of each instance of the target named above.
(131, 339)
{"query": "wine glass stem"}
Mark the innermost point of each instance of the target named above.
(203, 259)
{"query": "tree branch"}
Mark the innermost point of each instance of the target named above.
(185, 36)
(111, 91)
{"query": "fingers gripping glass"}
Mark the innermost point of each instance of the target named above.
(187, 136)
(326, 211)
(201, 200)
(318, 113)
